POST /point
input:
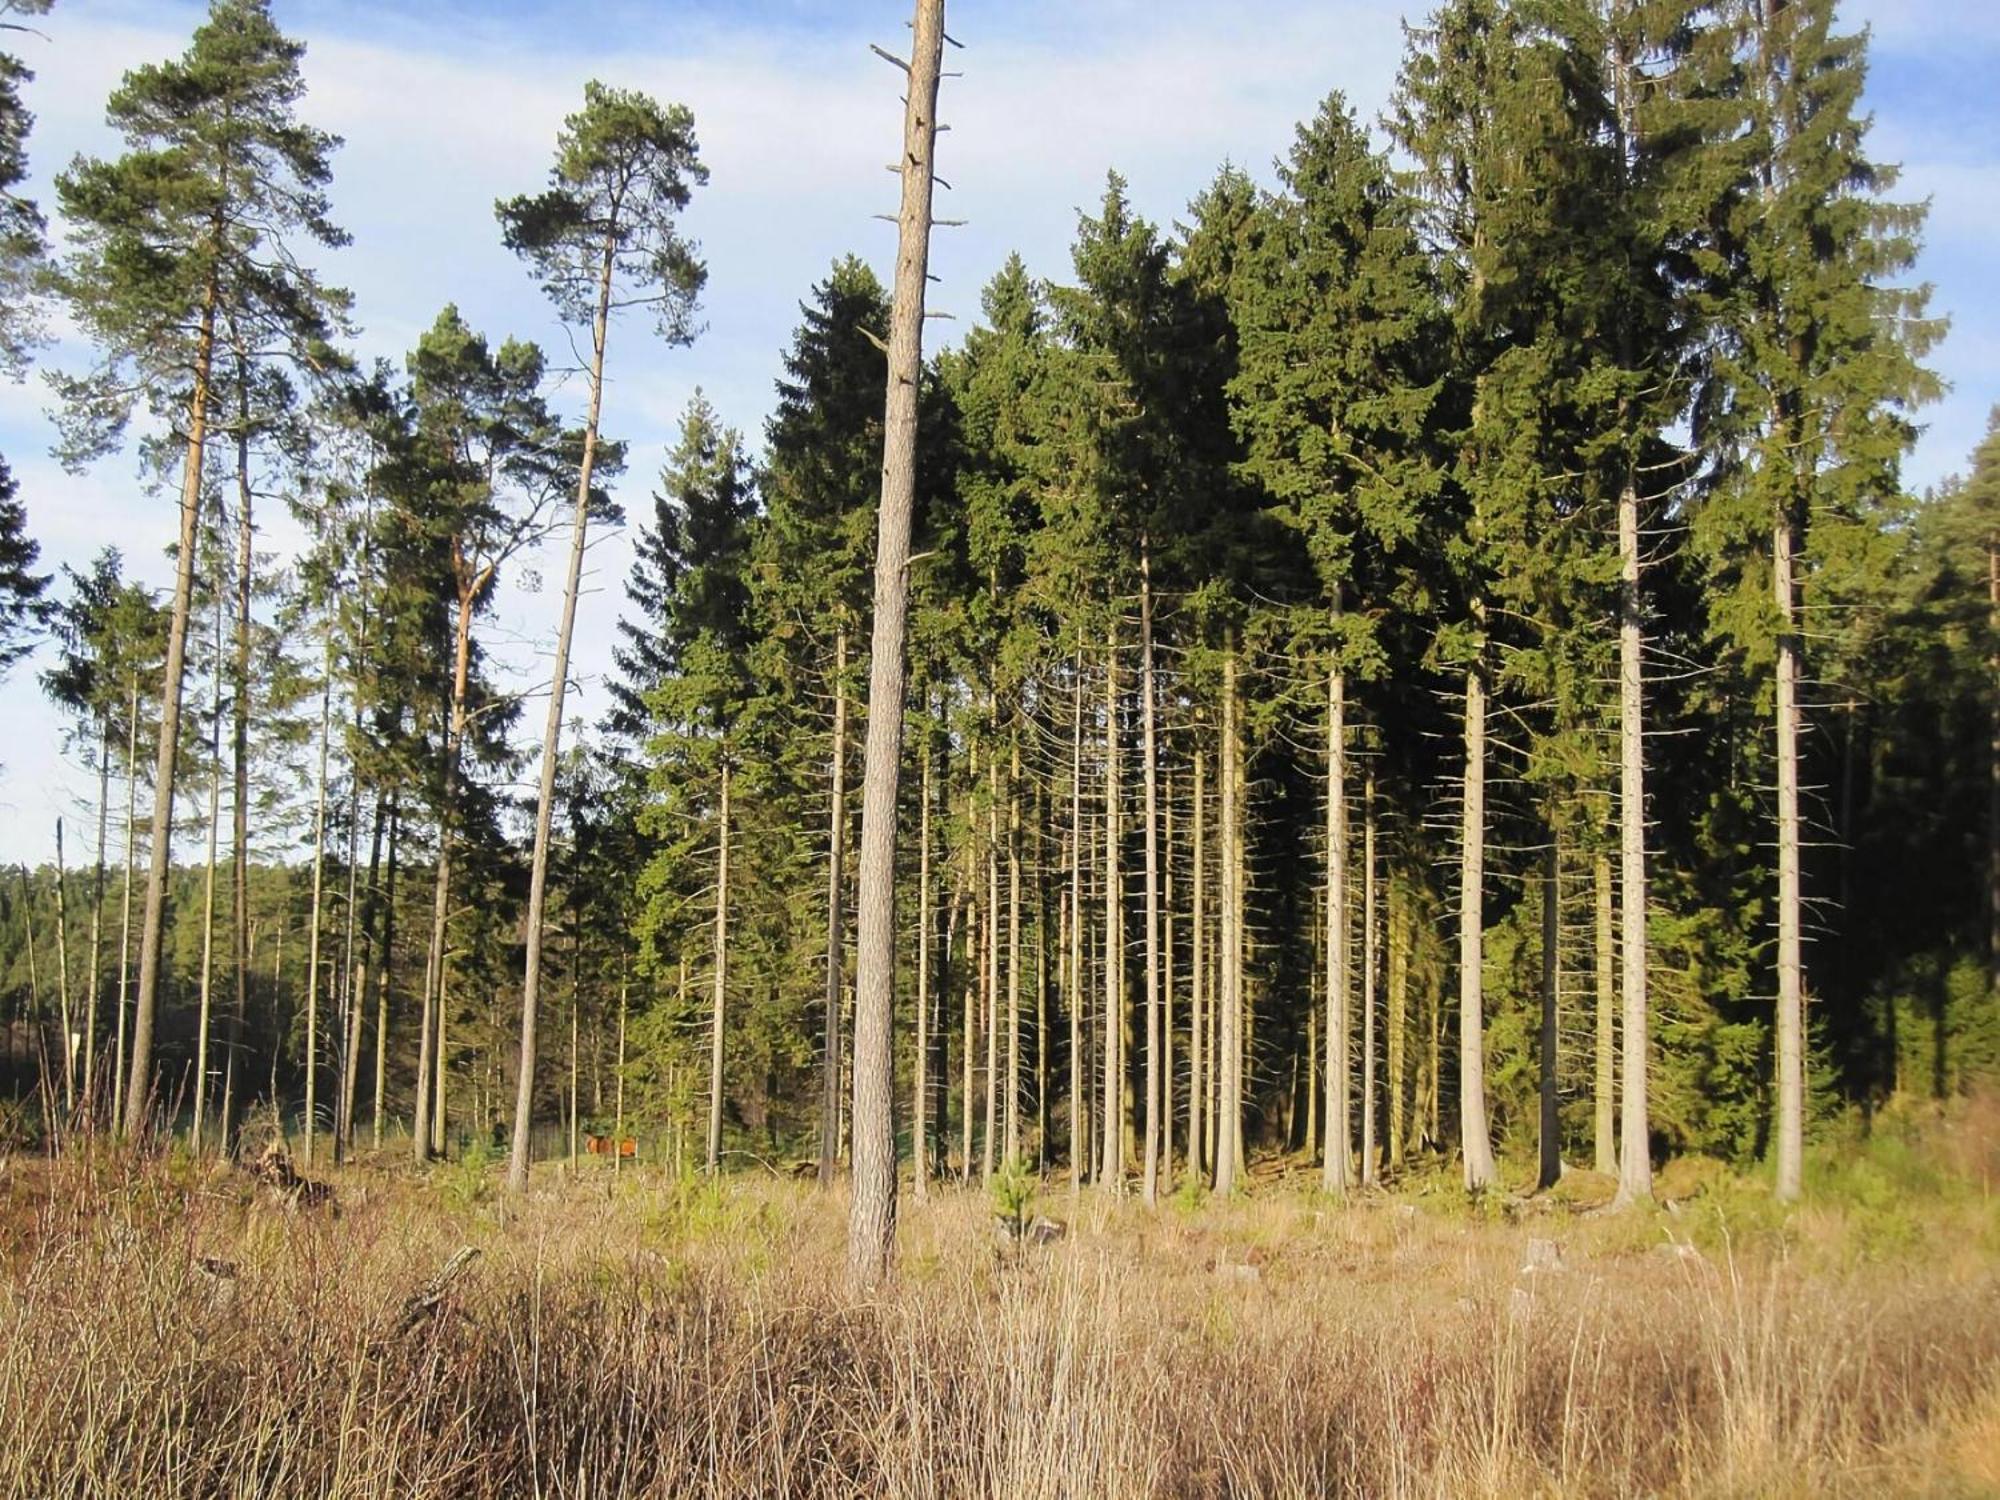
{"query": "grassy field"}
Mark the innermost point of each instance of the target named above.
(169, 1329)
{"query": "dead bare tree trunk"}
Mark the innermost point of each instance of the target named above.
(872, 1221)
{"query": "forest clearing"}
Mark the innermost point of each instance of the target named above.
(1329, 827)
(172, 1329)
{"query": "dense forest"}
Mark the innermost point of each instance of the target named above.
(1430, 662)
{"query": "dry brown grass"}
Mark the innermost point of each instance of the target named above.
(621, 1335)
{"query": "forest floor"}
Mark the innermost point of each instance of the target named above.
(170, 1328)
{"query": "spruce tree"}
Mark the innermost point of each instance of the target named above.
(1817, 373)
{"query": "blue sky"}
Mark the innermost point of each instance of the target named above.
(446, 106)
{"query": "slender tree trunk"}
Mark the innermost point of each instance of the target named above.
(1791, 983)
(97, 916)
(538, 868)
(1073, 996)
(203, 1022)
(125, 898)
(920, 1113)
(576, 1005)
(1113, 1145)
(441, 1061)
(1635, 1167)
(357, 991)
(1993, 766)
(313, 921)
(1475, 1140)
(1041, 823)
(975, 978)
(139, 1085)
(618, 1077)
(62, 976)
(872, 1225)
(1151, 946)
(239, 934)
(385, 958)
(1368, 969)
(1337, 1171)
(1605, 1125)
(1198, 977)
(836, 924)
(1229, 1110)
(1167, 986)
(420, 1117)
(1551, 1166)
(721, 964)
(1398, 1017)
(990, 984)
(1014, 953)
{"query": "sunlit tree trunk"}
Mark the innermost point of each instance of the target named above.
(1475, 1140)
(138, 1100)
(538, 861)
(1198, 1056)
(1073, 996)
(920, 1112)
(1635, 1167)
(1791, 981)
(1368, 957)
(1112, 1146)
(836, 925)
(1605, 1098)
(872, 1222)
(1229, 1109)
(125, 897)
(1550, 1165)
(204, 1020)
(1335, 1176)
(721, 979)
(1151, 946)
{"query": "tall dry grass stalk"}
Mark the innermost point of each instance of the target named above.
(635, 1337)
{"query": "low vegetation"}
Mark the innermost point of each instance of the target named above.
(173, 1328)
